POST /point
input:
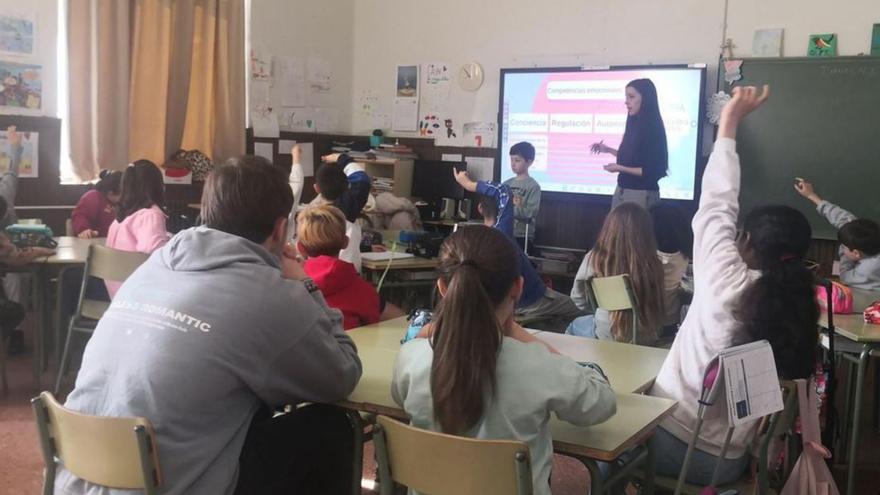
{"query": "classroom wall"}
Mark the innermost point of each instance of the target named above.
(46, 12)
(522, 33)
(307, 28)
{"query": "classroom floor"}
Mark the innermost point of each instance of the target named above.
(21, 462)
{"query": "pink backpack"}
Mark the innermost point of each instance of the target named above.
(810, 475)
(841, 298)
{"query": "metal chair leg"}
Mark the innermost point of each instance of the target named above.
(62, 366)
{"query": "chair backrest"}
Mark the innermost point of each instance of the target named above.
(112, 452)
(454, 465)
(615, 293)
(612, 293)
(112, 264)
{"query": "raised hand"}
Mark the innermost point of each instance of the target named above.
(746, 100)
(462, 177)
(805, 189)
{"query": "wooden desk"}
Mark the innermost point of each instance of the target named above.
(637, 415)
(853, 327)
(71, 252)
(194, 206)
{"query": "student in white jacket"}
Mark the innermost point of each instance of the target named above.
(480, 375)
(749, 286)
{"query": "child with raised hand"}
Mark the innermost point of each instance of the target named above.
(320, 237)
(859, 242)
(478, 374)
(749, 285)
(625, 245)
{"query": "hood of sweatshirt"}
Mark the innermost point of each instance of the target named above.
(202, 249)
(331, 274)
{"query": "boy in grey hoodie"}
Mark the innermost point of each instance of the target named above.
(859, 247)
(219, 323)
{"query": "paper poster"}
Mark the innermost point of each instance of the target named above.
(368, 107)
(479, 134)
(767, 43)
(822, 45)
(266, 150)
(449, 133)
(29, 165)
(431, 125)
(326, 119)
(285, 145)
(22, 85)
(264, 120)
(480, 168)
(18, 34)
(298, 119)
(405, 112)
(261, 65)
(435, 90)
(292, 84)
(451, 157)
(320, 76)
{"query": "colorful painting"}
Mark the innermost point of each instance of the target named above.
(822, 45)
(29, 166)
(17, 35)
(21, 85)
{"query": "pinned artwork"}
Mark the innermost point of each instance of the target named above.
(479, 134)
(18, 34)
(732, 71)
(22, 85)
(29, 165)
(715, 105)
(822, 45)
(429, 125)
(261, 65)
(767, 43)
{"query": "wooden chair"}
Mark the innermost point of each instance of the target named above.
(112, 452)
(615, 294)
(455, 465)
(106, 264)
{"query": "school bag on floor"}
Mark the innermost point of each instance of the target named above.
(810, 475)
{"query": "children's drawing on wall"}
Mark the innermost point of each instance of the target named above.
(22, 85)
(407, 81)
(320, 75)
(822, 45)
(17, 34)
(429, 126)
(479, 134)
(450, 131)
(29, 166)
(732, 71)
(435, 90)
(261, 65)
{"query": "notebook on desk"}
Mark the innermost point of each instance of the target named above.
(385, 255)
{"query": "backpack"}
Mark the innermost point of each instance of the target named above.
(196, 161)
(841, 298)
(810, 475)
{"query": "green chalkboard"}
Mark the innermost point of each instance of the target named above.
(822, 123)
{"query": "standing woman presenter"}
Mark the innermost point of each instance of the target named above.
(642, 159)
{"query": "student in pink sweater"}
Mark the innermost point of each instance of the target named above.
(140, 220)
(94, 212)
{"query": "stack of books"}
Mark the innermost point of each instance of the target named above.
(383, 184)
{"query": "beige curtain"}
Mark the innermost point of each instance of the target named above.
(98, 78)
(184, 86)
(187, 78)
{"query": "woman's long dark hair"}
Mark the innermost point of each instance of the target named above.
(142, 187)
(110, 182)
(780, 307)
(479, 266)
(644, 130)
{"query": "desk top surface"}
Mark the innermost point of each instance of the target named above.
(853, 327)
(70, 251)
(629, 367)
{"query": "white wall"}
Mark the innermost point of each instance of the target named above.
(46, 12)
(522, 33)
(304, 28)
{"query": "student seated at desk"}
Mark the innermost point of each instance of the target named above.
(344, 184)
(255, 332)
(538, 301)
(750, 284)
(140, 220)
(625, 245)
(320, 236)
(859, 247)
(675, 247)
(478, 374)
(94, 212)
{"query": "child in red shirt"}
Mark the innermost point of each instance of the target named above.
(320, 233)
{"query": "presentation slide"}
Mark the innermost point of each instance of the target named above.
(563, 113)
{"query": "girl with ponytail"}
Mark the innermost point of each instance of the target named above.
(479, 374)
(749, 284)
